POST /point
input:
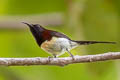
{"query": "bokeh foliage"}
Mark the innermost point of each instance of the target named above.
(83, 20)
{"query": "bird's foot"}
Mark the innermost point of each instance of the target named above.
(54, 56)
(72, 56)
(49, 58)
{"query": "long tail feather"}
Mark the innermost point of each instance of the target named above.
(93, 42)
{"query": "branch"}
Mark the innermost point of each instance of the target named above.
(59, 61)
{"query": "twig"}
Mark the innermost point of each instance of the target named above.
(59, 61)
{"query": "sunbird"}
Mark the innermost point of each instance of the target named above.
(56, 43)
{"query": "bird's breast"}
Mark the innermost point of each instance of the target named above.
(57, 45)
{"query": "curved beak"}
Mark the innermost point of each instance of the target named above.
(30, 25)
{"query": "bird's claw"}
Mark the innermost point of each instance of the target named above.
(72, 57)
(49, 59)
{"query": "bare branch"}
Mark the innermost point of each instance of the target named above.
(59, 61)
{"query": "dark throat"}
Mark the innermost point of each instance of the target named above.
(40, 35)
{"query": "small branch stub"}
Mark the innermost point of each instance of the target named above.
(59, 61)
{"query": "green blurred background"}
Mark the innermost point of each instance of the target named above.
(79, 19)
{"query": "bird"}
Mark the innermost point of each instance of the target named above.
(56, 43)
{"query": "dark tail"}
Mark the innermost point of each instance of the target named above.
(93, 42)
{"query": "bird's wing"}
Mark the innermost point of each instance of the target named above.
(58, 34)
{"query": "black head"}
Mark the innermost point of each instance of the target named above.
(37, 31)
(36, 26)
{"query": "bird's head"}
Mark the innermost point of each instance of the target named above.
(35, 27)
(40, 33)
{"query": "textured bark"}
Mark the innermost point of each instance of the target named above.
(59, 61)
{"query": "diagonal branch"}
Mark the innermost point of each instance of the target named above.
(59, 61)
